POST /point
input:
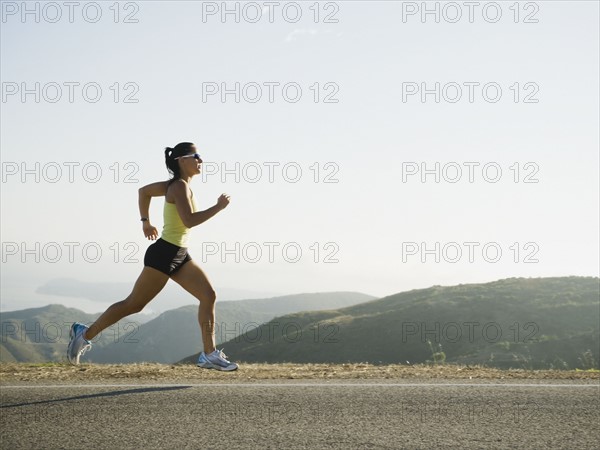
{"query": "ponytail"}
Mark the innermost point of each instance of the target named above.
(180, 149)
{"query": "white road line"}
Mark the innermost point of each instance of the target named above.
(527, 385)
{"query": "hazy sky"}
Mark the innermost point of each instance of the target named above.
(517, 92)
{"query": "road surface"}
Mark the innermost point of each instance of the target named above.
(303, 415)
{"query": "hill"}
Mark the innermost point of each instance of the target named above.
(531, 323)
(42, 334)
(175, 334)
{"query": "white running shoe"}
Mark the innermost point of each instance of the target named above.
(216, 360)
(78, 345)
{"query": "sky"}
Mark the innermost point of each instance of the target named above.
(365, 146)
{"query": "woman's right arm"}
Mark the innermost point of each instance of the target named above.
(145, 194)
(184, 205)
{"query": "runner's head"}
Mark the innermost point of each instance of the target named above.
(182, 160)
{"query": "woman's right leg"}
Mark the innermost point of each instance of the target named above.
(193, 279)
(148, 285)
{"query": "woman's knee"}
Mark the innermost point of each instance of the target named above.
(209, 297)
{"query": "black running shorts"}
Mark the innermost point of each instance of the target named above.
(166, 257)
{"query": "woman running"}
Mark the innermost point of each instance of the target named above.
(167, 258)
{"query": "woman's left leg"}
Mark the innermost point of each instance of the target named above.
(192, 278)
(148, 285)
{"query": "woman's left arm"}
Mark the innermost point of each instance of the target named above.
(145, 194)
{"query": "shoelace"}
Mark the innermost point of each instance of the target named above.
(223, 355)
(84, 349)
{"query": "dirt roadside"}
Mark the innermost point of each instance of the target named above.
(148, 372)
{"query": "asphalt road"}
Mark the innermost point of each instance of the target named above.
(297, 415)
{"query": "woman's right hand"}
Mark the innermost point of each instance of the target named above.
(223, 201)
(150, 231)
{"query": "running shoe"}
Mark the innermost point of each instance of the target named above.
(216, 360)
(78, 345)
(203, 362)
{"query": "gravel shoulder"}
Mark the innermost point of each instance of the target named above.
(56, 373)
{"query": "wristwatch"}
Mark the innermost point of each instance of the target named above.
(144, 219)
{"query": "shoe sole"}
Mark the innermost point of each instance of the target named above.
(224, 369)
(219, 368)
(71, 341)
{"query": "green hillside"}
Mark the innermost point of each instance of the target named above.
(175, 334)
(516, 322)
(42, 334)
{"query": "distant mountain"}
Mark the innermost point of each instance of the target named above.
(42, 334)
(516, 322)
(105, 291)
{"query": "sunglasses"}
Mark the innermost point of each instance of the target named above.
(195, 156)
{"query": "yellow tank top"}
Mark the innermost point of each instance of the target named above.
(174, 231)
